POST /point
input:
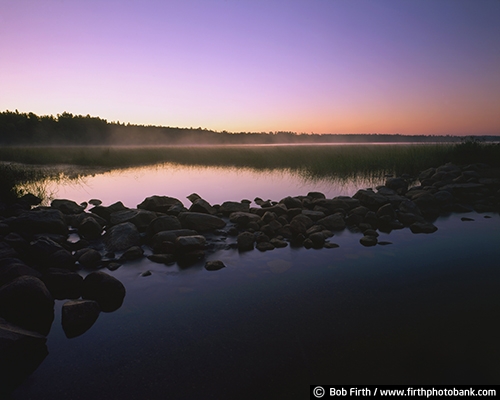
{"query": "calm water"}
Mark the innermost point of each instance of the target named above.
(214, 184)
(422, 310)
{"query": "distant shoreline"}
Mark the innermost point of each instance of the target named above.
(67, 129)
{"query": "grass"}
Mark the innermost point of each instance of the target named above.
(310, 161)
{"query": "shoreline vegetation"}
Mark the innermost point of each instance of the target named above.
(21, 165)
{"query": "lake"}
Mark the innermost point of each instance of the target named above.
(422, 310)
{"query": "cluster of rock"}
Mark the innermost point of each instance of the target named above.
(39, 262)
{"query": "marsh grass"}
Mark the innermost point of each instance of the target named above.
(319, 159)
(311, 162)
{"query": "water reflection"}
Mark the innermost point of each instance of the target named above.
(214, 184)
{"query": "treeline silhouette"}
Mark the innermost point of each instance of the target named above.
(67, 129)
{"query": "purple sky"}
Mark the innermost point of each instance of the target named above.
(323, 66)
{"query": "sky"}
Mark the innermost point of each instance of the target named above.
(307, 66)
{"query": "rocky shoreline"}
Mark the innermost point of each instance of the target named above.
(43, 248)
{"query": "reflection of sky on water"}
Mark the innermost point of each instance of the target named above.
(214, 184)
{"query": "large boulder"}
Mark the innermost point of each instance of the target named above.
(39, 221)
(67, 206)
(245, 241)
(163, 223)
(105, 212)
(140, 218)
(300, 224)
(63, 284)
(89, 228)
(186, 244)
(399, 185)
(21, 352)
(159, 203)
(108, 291)
(333, 222)
(122, 236)
(370, 199)
(201, 222)
(202, 206)
(48, 253)
(229, 207)
(26, 302)
(78, 316)
(158, 240)
(243, 218)
(12, 268)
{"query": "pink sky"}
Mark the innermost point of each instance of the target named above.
(323, 66)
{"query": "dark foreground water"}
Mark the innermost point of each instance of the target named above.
(423, 310)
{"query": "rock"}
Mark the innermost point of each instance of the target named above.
(89, 258)
(317, 239)
(264, 246)
(146, 273)
(300, 224)
(370, 232)
(243, 218)
(39, 221)
(163, 223)
(368, 241)
(229, 207)
(278, 243)
(30, 199)
(140, 218)
(200, 222)
(202, 206)
(121, 237)
(314, 215)
(21, 352)
(370, 199)
(108, 291)
(423, 227)
(332, 204)
(384, 243)
(316, 195)
(245, 241)
(48, 253)
(95, 202)
(186, 244)
(67, 206)
(333, 222)
(105, 212)
(291, 202)
(159, 203)
(426, 174)
(387, 210)
(193, 197)
(7, 251)
(465, 219)
(26, 302)
(78, 316)
(132, 253)
(214, 265)
(408, 206)
(169, 236)
(400, 186)
(63, 284)
(89, 228)
(12, 268)
(329, 245)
